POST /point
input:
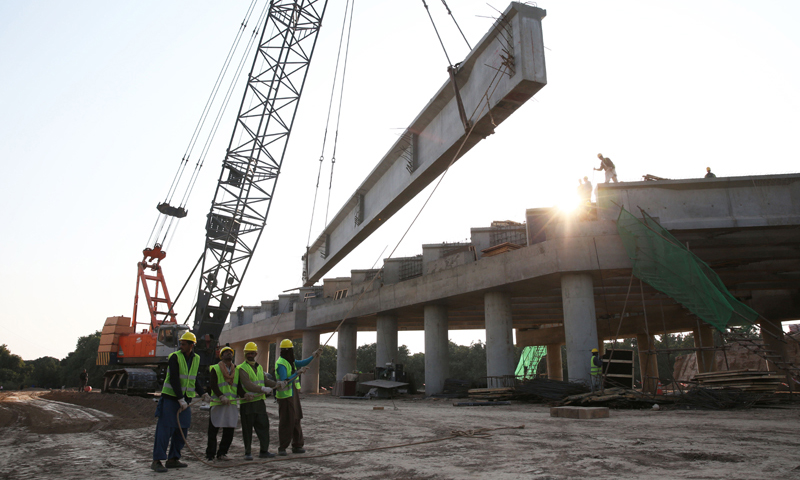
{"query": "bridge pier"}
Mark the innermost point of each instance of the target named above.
(499, 336)
(346, 354)
(437, 362)
(580, 324)
(555, 369)
(386, 342)
(309, 383)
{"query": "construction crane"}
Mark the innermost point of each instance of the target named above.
(238, 211)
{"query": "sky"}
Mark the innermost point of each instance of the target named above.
(98, 101)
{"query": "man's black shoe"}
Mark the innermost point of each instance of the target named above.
(175, 463)
(266, 455)
(299, 450)
(157, 467)
(281, 453)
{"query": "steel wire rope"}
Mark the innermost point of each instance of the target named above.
(449, 12)
(339, 112)
(226, 101)
(207, 108)
(327, 123)
(201, 123)
(437, 32)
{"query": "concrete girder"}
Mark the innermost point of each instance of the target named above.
(512, 58)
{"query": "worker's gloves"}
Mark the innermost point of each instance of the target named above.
(302, 370)
(318, 352)
(280, 385)
(207, 398)
(266, 390)
(184, 405)
(225, 400)
(249, 396)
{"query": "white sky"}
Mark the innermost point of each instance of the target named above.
(99, 100)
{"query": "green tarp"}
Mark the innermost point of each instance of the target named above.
(668, 266)
(529, 361)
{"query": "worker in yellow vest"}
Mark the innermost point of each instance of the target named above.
(179, 389)
(222, 382)
(289, 411)
(596, 370)
(253, 386)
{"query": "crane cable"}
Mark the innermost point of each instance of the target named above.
(437, 32)
(327, 123)
(449, 12)
(201, 121)
(339, 113)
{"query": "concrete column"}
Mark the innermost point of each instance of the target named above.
(437, 360)
(499, 336)
(704, 337)
(263, 354)
(648, 362)
(387, 340)
(580, 324)
(309, 383)
(554, 368)
(346, 355)
(772, 334)
(238, 352)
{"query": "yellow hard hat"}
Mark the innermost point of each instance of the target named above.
(286, 343)
(708, 169)
(594, 350)
(224, 349)
(251, 347)
(189, 337)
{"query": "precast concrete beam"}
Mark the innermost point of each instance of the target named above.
(386, 342)
(309, 382)
(499, 336)
(437, 360)
(346, 351)
(580, 324)
(504, 69)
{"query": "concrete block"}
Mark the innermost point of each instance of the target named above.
(583, 413)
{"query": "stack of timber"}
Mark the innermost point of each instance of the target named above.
(747, 380)
(491, 394)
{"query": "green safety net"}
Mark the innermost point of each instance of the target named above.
(529, 361)
(668, 266)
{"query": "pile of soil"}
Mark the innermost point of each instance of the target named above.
(128, 412)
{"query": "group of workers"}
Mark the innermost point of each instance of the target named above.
(236, 392)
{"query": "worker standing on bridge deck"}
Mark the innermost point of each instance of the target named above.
(224, 414)
(709, 174)
(253, 386)
(289, 410)
(606, 165)
(596, 370)
(179, 389)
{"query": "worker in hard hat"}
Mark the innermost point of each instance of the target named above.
(179, 388)
(607, 166)
(596, 370)
(709, 174)
(289, 411)
(253, 386)
(222, 382)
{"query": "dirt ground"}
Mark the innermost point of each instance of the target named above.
(69, 435)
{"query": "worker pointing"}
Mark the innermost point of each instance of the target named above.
(607, 166)
(253, 386)
(179, 388)
(289, 410)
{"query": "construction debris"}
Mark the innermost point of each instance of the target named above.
(494, 394)
(537, 390)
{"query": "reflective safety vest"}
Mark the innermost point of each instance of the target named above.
(279, 394)
(595, 370)
(228, 390)
(188, 377)
(256, 377)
